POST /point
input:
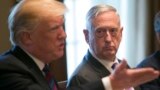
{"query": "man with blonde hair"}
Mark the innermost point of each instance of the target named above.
(38, 38)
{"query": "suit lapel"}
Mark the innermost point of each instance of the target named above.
(31, 65)
(97, 66)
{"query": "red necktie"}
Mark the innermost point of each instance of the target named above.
(49, 77)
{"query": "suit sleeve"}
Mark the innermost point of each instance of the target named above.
(153, 62)
(14, 77)
(152, 85)
(17, 81)
(97, 85)
(80, 83)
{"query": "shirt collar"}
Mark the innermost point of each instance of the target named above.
(106, 63)
(38, 62)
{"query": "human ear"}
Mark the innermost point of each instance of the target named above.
(25, 38)
(86, 35)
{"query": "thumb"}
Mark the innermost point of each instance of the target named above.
(121, 66)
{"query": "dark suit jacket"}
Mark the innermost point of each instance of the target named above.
(88, 72)
(151, 61)
(19, 72)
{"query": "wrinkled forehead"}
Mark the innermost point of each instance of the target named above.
(108, 14)
(109, 17)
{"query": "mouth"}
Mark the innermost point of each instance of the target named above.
(62, 45)
(108, 47)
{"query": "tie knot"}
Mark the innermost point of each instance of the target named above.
(114, 65)
(46, 69)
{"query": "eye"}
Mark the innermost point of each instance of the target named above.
(113, 31)
(100, 32)
(55, 27)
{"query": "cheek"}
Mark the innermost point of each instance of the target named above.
(117, 41)
(51, 42)
(47, 41)
(98, 44)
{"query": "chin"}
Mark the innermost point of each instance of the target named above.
(60, 54)
(109, 53)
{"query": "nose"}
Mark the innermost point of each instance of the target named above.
(63, 34)
(108, 36)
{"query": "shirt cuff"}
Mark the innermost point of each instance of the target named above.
(106, 83)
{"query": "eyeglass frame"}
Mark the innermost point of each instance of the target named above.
(112, 31)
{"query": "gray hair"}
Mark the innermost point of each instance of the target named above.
(95, 11)
(26, 15)
(157, 22)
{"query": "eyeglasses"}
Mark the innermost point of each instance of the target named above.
(101, 32)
